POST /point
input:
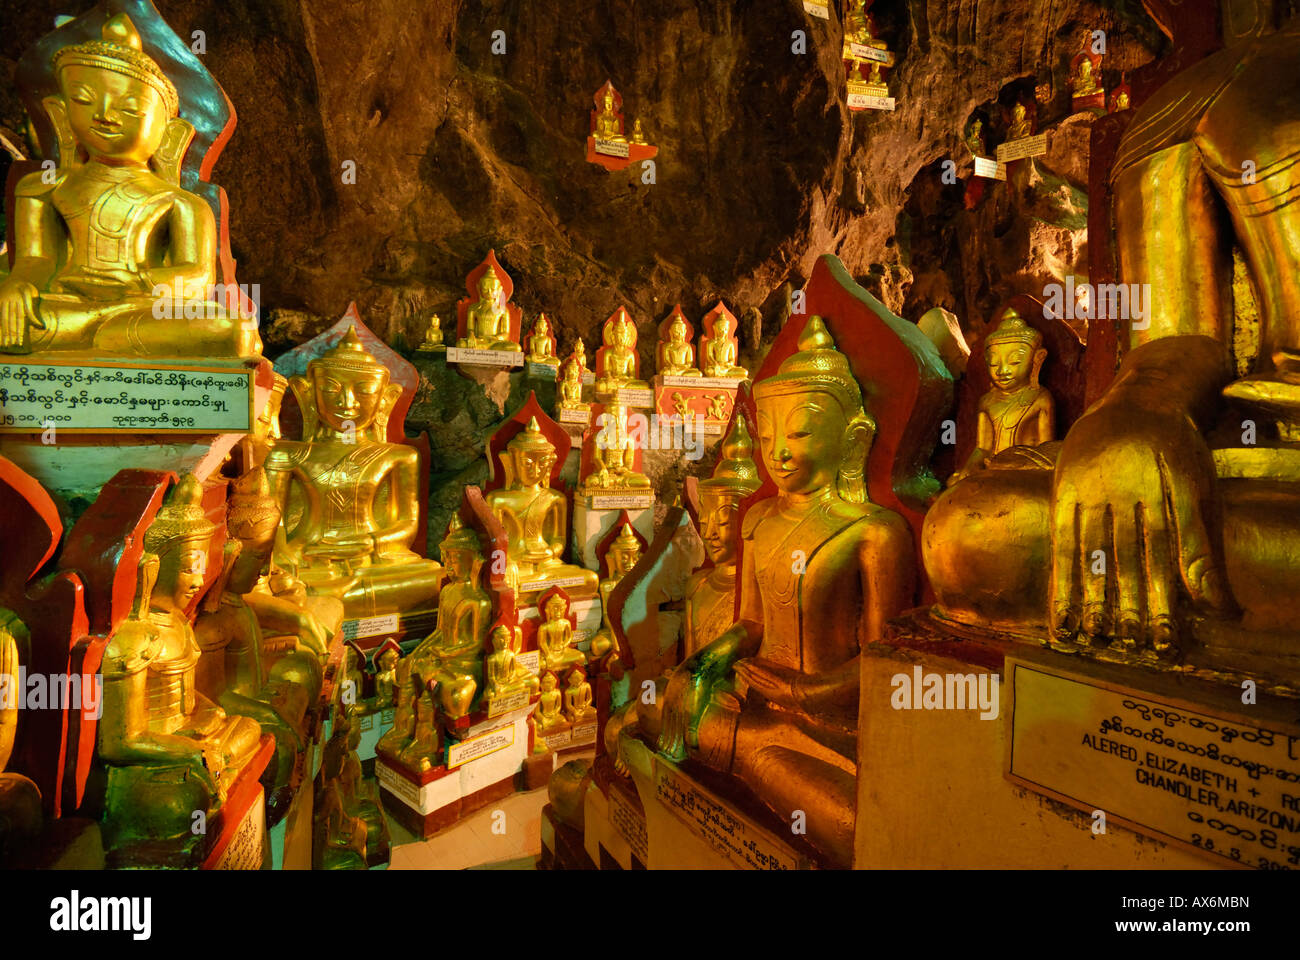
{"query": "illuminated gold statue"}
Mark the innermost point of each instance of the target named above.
(555, 637)
(569, 390)
(609, 125)
(638, 135)
(547, 715)
(97, 244)
(1021, 124)
(617, 361)
(535, 517)
(503, 675)
(1084, 80)
(858, 27)
(349, 498)
(620, 558)
(1191, 536)
(613, 456)
(541, 342)
(432, 337)
(168, 749)
(718, 350)
(711, 590)
(359, 801)
(577, 698)
(1016, 411)
(676, 355)
(682, 407)
(488, 320)
(386, 676)
(773, 700)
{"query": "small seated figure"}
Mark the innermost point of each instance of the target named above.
(616, 363)
(1120, 100)
(577, 698)
(503, 675)
(711, 590)
(535, 517)
(350, 499)
(975, 138)
(433, 342)
(718, 350)
(1016, 411)
(609, 125)
(547, 715)
(676, 355)
(858, 28)
(1084, 80)
(638, 135)
(488, 320)
(386, 676)
(569, 391)
(168, 749)
(555, 636)
(622, 555)
(541, 342)
(1022, 125)
(718, 407)
(874, 76)
(359, 800)
(340, 835)
(614, 455)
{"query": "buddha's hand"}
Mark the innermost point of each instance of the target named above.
(17, 310)
(685, 696)
(776, 683)
(1131, 497)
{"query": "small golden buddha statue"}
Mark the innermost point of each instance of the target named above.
(773, 700)
(487, 322)
(1084, 80)
(622, 555)
(358, 799)
(617, 362)
(432, 337)
(577, 698)
(614, 455)
(569, 390)
(638, 135)
(340, 834)
(711, 590)
(448, 661)
(349, 498)
(503, 675)
(386, 676)
(1121, 100)
(21, 818)
(975, 138)
(547, 715)
(1021, 124)
(555, 637)
(718, 404)
(1016, 411)
(112, 232)
(676, 355)
(609, 125)
(858, 27)
(718, 350)
(874, 77)
(168, 749)
(535, 517)
(541, 342)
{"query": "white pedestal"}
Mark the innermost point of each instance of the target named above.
(591, 526)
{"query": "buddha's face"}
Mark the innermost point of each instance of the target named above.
(500, 639)
(718, 518)
(113, 115)
(609, 101)
(677, 332)
(802, 436)
(575, 680)
(548, 682)
(255, 531)
(1009, 363)
(1122, 101)
(533, 466)
(626, 333)
(555, 608)
(180, 575)
(622, 559)
(348, 399)
(489, 288)
(387, 660)
(721, 327)
(543, 328)
(458, 563)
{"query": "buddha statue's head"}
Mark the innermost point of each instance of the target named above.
(529, 457)
(734, 479)
(1121, 101)
(576, 678)
(609, 99)
(490, 289)
(812, 427)
(542, 328)
(349, 385)
(623, 553)
(549, 681)
(118, 99)
(555, 607)
(387, 659)
(501, 638)
(721, 326)
(179, 537)
(461, 551)
(1018, 112)
(252, 518)
(677, 331)
(1014, 353)
(1085, 68)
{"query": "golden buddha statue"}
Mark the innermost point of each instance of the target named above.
(609, 125)
(676, 355)
(340, 834)
(168, 749)
(622, 555)
(1194, 536)
(448, 661)
(386, 676)
(577, 698)
(360, 800)
(349, 498)
(718, 350)
(711, 590)
(432, 337)
(1021, 124)
(718, 407)
(555, 637)
(858, 27)
(541, 342)
(1016, 411)
(613, 455)
(638, 135)
(617, 362)
(21, 817)
(503, 675)
(547, 715)
(975, 138)
(569, 391)
(535, 517)
(1084, 80)
(1121, 101)
(112, 232)
(773, 700)
(487, 322)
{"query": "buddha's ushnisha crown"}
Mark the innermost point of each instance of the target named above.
(1013, 329)
(181, 518)
(121, 51)
(530, 438)
(350, 354)
(818, 365)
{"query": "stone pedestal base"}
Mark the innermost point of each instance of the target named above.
(592, 524)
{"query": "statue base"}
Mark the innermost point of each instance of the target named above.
(562, 845)
(1084, 765)
(594, 517)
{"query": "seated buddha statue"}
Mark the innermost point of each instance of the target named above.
(1016, 411)
(676, 355)
(609, 125)
(535, 517)
(858, 28)
(613, 454)
(711, 590)
(569, 391)
(718, 351)
(503, 674)
(445, 669)
(547, 715)
(638, 134)
(111, 231)
(360, 800)
(1084, 80)
(555, 637)
(386, 676)
(1198, 527)
(350, 499)
(621, 556)
(1021, 124)
(577, 698)
(773, 699)
(487, 322)
(433, 341)
(340, 834)
(168, 749)
(541, 342)
(617, 362)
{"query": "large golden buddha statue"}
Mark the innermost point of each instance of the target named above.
(711, 590)
(349, 498)
(535, 517)
(488, 320)
(98, 244)
(773, 699)
(168, 749)
(1190, 535)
